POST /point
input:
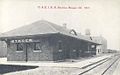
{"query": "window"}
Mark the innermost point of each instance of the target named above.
(93, 46)
(74, 50)
(60, 45)
(37, 46)
(19, 47)
(98, 50)
(59, 50)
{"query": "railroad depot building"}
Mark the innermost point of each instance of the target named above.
(103, 47)
(46, 41)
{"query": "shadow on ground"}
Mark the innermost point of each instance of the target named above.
(13, 68)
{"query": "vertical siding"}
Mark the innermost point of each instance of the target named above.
(13, 55)
(71, 49)
(44, 55)
(3, 49)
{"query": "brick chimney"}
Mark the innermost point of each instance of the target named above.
(87, 32)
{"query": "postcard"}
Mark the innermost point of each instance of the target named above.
(59, 37)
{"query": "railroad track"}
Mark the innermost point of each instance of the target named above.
(107, 69)
(108, 62)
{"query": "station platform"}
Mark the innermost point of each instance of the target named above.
(75, 64)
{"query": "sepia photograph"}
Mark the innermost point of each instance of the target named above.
(59, 37)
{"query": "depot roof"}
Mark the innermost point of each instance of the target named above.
(44, 27)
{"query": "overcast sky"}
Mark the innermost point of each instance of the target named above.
(102, 17)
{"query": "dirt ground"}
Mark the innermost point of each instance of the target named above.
(46, 68)
(46, 71)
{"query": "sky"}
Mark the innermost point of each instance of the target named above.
(102, 17)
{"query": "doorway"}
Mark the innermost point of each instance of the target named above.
(27, 46)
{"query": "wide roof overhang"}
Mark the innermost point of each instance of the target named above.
(38, 35)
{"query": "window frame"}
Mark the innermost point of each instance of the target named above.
(18, 49)
(35, 49)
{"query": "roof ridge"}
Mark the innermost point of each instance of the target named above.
(52, 26)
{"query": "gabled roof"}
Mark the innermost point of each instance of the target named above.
(39, 27)
(43, 27)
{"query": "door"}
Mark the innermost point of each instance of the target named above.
(26, 50)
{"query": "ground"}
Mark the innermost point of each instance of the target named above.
(46, 68)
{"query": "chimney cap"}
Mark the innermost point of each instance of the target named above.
(87, 32)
